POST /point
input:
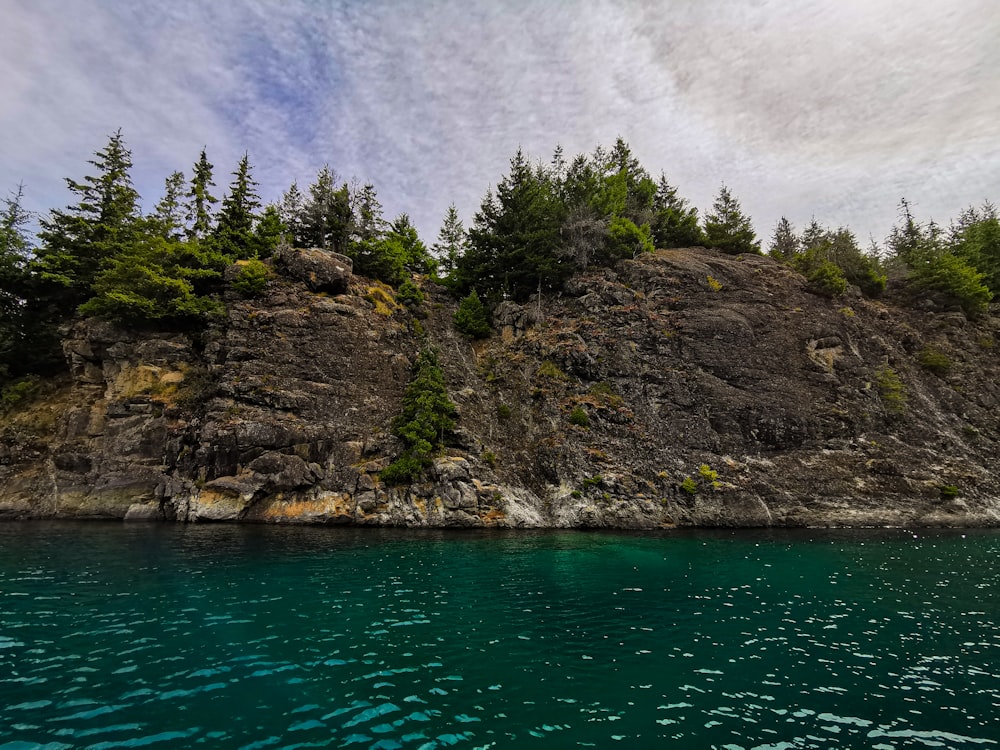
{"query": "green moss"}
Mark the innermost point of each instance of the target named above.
(892, 390)
(579, 417)
(934, 360)
(689, 486)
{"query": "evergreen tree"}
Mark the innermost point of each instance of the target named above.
(975, 238)
(452, 244)
(14, 281)
(76, 241)
(727, 228)
(167, 219)
(200, 199)
(515, 239)
(784, 243)
(233, 233)
(369, 225)
(417, 259)
(674, 224)
(327, 220)
(291, 213)
(268, 232)
(470, 318)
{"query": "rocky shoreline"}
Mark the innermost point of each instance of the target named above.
(715, 391)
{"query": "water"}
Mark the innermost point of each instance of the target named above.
(133, 636)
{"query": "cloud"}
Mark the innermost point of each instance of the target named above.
(813, 108)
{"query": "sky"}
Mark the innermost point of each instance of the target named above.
(833, 109)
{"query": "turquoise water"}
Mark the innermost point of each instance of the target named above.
(133, 636)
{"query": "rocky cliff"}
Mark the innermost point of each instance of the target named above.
(681, 388)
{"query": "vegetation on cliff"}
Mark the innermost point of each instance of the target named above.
(541, 224)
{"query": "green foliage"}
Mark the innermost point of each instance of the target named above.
(707, 473)
(325, 218)
(784, 244)
(153, 281)
(267, 233)
(514, 240)
(579, 417)
(490, 458)
(948, 491)
(975, 238)
(626, 240)
(103, 224)
(674, 223)
(409, 294)
(470, 318)
(503, 411)
(549, 369)
(827, 279)
(18, 392)
(934, 360)
(892, 390)
(200, 199)
(251, 279)
(594, 481)
(404, 470)
(955, 279)
(727, 228)
(452, 244)
(416, 257)
(233, 232)
(427, 418)
(689, 485)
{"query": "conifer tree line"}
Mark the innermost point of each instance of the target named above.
(541, 223)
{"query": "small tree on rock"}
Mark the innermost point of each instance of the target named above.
(727, 228)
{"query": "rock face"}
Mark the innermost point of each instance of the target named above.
(682, 388)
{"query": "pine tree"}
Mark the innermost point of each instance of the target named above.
(470, 317)
(268, 231)
(76, 241)
(200, 199)
(674, 223)
(234, 231)
(167, 219)
(784, 243)
(727, 228)
(14, 281)
(291, 213)
(327, 219)
(452, 244)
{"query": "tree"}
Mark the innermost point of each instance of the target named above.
(727, 228)
(674, 224)
(291, 212)
(167, 219)
(515, 238)
(452, 244)
(76, 241)
(427, 419)
(784, 244)
(233, 233)
(416, 257)
(975, 238)
(200, 200)
(268, 231)
(470, 318)
(327, 219)
(14, 280)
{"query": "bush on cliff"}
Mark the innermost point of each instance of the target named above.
(428, 417)
(470, 318)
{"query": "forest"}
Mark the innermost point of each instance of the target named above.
(166, 268)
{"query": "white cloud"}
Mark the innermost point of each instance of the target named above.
(832, 109)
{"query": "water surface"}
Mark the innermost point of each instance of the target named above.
(133, 636)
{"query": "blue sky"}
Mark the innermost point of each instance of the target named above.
(805, 108)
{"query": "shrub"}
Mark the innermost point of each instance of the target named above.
(714, 284)
(409, 294)
(708, 473)
(593, 481)
(470, 318)
(490, 458)
(549, 369)
(503, 411)
(952, 277)
(891, 389)
(579, 417)
(251, 279)
(934, 360)
(689, 486)
(17, 392)
(403, 470)
(626, 240)
(827, 279)
(948, 491)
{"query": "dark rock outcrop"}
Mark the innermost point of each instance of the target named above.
(714, 390)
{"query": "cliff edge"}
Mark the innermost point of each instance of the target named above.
(683, 388)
